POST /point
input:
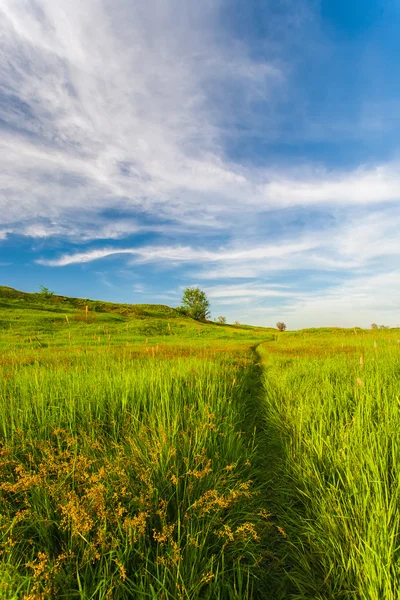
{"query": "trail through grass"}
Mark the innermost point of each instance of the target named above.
(333, 415)
(128, 467)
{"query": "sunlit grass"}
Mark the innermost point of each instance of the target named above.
(127, 460)
(121, 477)
(145, 455)
(333, 409)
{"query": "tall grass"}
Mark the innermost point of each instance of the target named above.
(127, 477)
(333, 417)
(140, 457)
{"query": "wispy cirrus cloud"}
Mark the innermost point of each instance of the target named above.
(99, 228)
(118, 108)
(356, 242)
(232, 294)
(182, 254)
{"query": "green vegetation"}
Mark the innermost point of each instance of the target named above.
(333, 422)
(145, 454)
(127, 454)
(46, 292)
(195, 304)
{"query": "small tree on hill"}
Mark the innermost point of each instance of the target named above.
(374, 326)
(222, 320)
(195, 303)
(46, 292)
(281, 326)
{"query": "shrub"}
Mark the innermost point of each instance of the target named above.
(46, 292)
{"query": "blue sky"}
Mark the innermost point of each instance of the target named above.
(250, 147)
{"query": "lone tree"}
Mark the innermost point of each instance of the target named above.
(281, 326)
(222, 320)
(374, 326)
(195, 303)
(44, 291)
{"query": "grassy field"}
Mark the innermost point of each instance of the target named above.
(333, 424)
(145, 455)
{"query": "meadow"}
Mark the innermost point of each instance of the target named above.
(146, 455)
(333, 415)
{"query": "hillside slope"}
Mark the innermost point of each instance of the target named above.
(59, 320)
(36, 300)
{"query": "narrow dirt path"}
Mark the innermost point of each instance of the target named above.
(269, 474)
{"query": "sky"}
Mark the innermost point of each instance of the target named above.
(247, 147)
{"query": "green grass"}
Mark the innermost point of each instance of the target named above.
(132, 473)
(128, 456)
(146, 455)
(333, 416)
(31, 320)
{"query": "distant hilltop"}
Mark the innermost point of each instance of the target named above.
(128, 310)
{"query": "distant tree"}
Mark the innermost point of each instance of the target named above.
(374, 326)
(236, 324)
(222, 320)
(46, 292)
(195, 304)
(281, 326)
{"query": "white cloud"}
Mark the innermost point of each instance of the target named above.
(373, 185)
(121, 107)
(371, 236)
(186, 254)
(97, 229)
(233, 294)
(4, 233)
(113, 107)
(358, 302)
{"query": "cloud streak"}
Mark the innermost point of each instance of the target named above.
(363, 241)
(181, 254)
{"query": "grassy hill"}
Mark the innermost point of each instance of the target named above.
(59, 320)
(11, 297)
